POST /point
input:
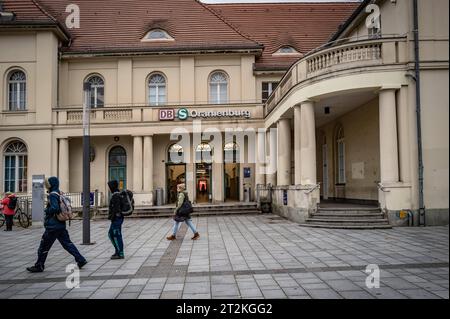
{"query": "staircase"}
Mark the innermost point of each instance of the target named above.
(362, 217)
(199, 210)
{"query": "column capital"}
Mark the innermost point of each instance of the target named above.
(389, 88)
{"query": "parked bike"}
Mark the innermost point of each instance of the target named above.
(20, 216)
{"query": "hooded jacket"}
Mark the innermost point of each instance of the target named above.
(53, 208)
(114, 203)
(5, 202)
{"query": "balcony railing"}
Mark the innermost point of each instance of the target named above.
(335, 57)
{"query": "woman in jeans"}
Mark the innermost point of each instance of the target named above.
(182, 195)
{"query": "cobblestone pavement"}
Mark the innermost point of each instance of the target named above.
(261, 256)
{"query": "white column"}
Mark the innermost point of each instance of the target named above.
(137, 163)
(148, 163)
(297, 145)
(271, 162)
(260, 151)
(388, 137)
(308, 144)
(63, 171)
(284, 152)
(404, 148)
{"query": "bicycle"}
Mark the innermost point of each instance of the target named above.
(23, 218)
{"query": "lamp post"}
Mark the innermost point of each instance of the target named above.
(86, 165)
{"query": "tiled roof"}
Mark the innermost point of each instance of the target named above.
(119, 25)
(27, 11)
(304, 26)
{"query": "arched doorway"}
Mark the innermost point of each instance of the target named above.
(340, 175)
(117, 166)
(175, 171)
(203, 172)
(231, 171)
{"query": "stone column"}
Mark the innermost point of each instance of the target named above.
(308, 144)
(388, 137)
(297, 145)
(271, 152)
(260, 152)
(148, 163)
(63, 160)
(404, 148)
(137, 163)
(284, 152)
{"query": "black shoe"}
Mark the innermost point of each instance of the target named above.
(114, 257)
(35, 269)
(81, 264)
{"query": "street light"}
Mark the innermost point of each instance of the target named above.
(86, 165)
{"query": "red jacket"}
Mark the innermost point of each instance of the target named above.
(6, 209)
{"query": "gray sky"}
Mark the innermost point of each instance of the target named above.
(273, 1)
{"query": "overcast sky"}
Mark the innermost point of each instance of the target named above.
(256, 1)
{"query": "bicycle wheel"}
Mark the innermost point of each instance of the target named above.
(24, 219)
(2, 220)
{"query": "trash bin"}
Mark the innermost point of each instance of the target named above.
(159, 197)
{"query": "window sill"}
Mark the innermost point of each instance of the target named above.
(17, 112)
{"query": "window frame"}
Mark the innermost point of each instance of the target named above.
(157, 103)
(340, 153)
(270, 89)
(20, 171)
(217, 88)
(17, 106)
(95, 93)
(147, 38)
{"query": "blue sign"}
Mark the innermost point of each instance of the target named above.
(91, 199)
(247, 172)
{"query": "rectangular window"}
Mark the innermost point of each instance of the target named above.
(267, 89)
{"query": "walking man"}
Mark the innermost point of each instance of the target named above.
(54, 229)
(116, 218)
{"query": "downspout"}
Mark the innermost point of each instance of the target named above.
(422, 210)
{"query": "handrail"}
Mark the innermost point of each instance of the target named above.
(382, 188)
(313, 189)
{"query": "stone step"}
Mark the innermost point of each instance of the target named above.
(347, 221)
(348, 216)
(349, 210)
(347, 226)
(196, 213)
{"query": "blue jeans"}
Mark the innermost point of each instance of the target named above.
(176, 226)
(47, 241)
(115, 235)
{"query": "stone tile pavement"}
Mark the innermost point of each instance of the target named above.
(236, 257)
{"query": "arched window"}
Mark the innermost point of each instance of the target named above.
(157, 35)
(218, 88)
(231, 153)
(340, 147)
(286, 50)
(17, 91)
(157, 89)
(204, 153)
(97, 93)
(16, 167)
(175, 154)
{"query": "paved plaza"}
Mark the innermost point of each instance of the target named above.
(252, 256)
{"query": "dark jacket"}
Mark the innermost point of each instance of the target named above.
(182, 196)
(53, 208)
(114, 211)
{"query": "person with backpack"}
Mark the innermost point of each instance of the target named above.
(9, 203)
(55, 227)
(116, 217)
(182, 213)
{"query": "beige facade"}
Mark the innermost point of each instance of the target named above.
(345, 116)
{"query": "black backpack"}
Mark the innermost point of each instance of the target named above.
(126, 202)
(12, 202)
(186, 208)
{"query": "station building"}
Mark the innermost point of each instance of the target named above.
(182, 91)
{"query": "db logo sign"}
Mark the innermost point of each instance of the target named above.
(166, 115)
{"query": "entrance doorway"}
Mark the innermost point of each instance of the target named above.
(325, 170)
(117, 166)
(176, 174)
(203, 182)
(231, 172)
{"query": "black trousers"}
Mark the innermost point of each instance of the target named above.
(9, 221)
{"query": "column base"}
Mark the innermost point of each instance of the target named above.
(295, 203)
(143, 198)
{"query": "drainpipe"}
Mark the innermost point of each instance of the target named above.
(422, 211)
